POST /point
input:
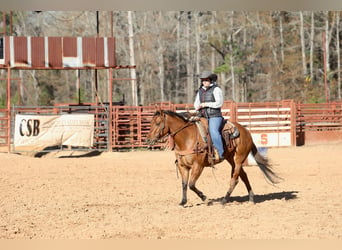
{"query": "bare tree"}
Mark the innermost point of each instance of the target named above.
(337, 13)
(132, 60)
(302, 42)
(312, 37)
(160, 59)
(188, 59)
(231, 59)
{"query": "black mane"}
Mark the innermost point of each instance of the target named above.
(183, 115)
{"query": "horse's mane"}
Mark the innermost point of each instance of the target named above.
(183, 116)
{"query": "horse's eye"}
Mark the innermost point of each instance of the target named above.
(158, 123)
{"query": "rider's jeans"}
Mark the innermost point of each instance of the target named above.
(214, 130)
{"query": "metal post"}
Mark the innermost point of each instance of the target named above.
(78, 85)
(110, 113)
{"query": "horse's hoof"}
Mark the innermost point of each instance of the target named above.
(224, 201)
(208, 202)
(182, 203)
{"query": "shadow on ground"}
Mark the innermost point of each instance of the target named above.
(285, 195)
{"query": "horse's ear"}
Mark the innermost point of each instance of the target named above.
(158, 109)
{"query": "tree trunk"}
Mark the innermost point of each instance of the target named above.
(312, 37)
(327, 52)
(178, 84)
(281, 31)
(198, 46)
(212, 33)
(161, 67)
(132, 60)
(188, 61)
(35, 87)
(302, 42)
(231, 61)
(338, 54)
(280, 94)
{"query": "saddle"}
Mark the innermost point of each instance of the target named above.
(229, 133)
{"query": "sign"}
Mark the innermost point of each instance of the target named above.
(278, 139)
(40, 131)
(265, 140)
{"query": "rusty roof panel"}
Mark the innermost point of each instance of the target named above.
(20, 51)
(88, 48)
(99, 52)
(70, 46)
(55, 52)
(111, 51)
(59, 52)
(37, 52)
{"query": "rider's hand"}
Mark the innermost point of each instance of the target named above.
(203, 105)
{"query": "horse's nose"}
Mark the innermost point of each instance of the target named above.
(148, 141)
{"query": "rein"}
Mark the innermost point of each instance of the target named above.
(189, 151)
(180, 129)
(175, 132)
(172, 135)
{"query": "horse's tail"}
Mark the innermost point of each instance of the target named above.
(265, 166)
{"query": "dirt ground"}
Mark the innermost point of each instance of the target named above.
(135, 195)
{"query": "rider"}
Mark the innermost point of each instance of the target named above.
(208, 101)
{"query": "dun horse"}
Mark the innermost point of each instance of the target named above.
(192, 153)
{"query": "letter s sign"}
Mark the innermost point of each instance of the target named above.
(264, 139)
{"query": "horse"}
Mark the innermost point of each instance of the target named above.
(192, 153)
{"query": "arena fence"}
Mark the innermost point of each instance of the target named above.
(319, 123)
(272, 124)
(4, 127)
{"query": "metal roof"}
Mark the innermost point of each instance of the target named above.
(59, 52)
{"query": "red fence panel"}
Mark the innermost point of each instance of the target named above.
(272, 124)
(4, 129)
(319, 123)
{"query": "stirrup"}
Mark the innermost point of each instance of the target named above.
(235, 134)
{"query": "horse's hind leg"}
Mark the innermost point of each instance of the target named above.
(244, 178)
(236, 169)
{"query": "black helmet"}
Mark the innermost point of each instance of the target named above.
(206, 74)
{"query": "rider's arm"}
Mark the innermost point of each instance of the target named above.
(197, 103)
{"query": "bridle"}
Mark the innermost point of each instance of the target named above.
(169, 133)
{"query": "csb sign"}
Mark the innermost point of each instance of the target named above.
(54, 130)
(29, 127)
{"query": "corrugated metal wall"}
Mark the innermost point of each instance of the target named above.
(59, 52)
(38, 46)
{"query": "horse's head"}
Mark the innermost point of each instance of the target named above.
(158, 128)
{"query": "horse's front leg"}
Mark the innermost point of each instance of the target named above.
(184, 171)
(196, 171)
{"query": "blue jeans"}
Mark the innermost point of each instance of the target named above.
(215, 126)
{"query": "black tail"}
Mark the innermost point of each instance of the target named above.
(265, 166)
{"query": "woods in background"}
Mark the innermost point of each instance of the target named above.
(258, 55)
